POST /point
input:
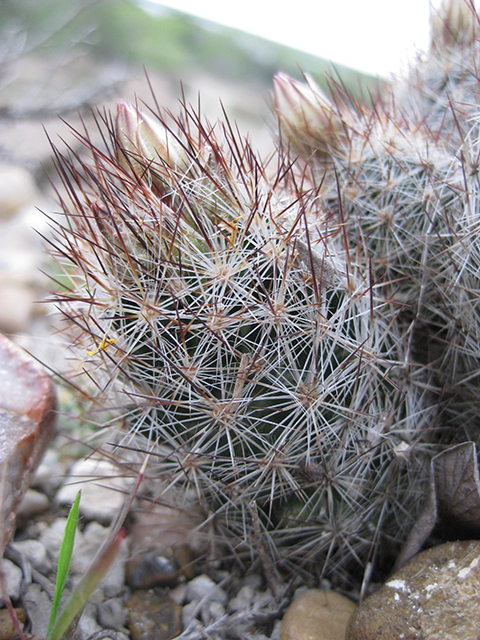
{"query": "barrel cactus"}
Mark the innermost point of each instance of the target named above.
(261, 333)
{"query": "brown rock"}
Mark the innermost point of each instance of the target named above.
(7, 628)
(161, 546)
(153, 616)
(435, 596)
(148, 569)
(27, 404)
(317, 615)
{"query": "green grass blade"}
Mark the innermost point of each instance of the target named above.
(64, 560)
(84, 589)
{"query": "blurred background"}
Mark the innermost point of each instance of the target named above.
(59, 60)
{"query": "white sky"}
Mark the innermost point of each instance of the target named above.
(370, 35)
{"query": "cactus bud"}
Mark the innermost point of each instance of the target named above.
(309, 124)
(454, 24)
(144, 143)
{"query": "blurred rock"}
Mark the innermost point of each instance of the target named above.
(50, 473)
(103, 489)
(13, 579)
(161, 546)
(35, 552)
(87, 624)
(146, 570)
(16, 306)
(7, 629)
(178, 593)
(17, 189)
(112, 614)
(436, 596)
(32, 504)
(153, 617)
(317, 614)
(203, 588)
(243, 599)
(52, 538)
(38, 606)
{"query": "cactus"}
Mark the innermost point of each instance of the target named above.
(407, 173)
(260, 333)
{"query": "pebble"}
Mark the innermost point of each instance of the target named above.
(52, 537)
(86, 546)
(178, 593)
(103, 489)
(153, 616)
(35, 552)
(317, 614)
(87, 623)
(436, 596)
(243, 599)
(38, 606)
(203, 588)
(112, 614)
(214, 611)
(13, 579)
(148, 569)
(190, 612)
(17, 189)
(32, 504)
(17, 306)
(162, 550)
(7, 629)
(50, 473)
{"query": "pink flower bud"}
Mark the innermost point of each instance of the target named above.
(144, 143)
(309, 124)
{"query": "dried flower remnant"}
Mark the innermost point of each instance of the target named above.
(144, 144)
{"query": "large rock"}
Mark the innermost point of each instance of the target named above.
(435, 596)
(27, 409)
(317, 614)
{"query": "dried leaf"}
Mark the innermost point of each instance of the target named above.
(457, 486)
(453, 500)
(421, 529)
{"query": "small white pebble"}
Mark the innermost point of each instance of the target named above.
(397, 584)
(463, 573)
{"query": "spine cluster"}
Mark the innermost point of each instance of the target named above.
(289, 344)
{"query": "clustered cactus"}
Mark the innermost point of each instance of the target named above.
(290, 344)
